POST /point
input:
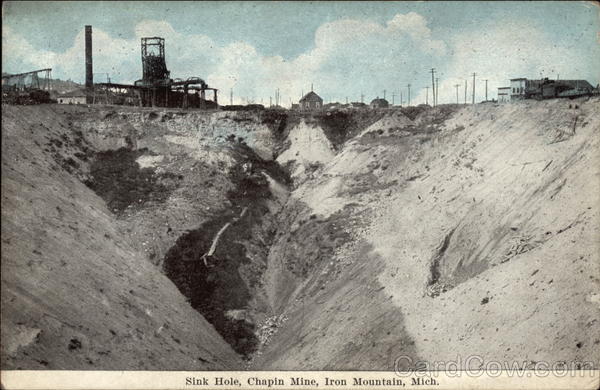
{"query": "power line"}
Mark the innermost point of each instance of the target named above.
(433, 85)
(474, 74)
(456, 86)
(486, 81)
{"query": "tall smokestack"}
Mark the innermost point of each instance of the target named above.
(89, 72)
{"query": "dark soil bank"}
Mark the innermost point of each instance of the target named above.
(217, 286)
(118, 179)
(223, 282)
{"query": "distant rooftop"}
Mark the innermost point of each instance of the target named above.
(379, 100)
(311, 96)
(74, 93)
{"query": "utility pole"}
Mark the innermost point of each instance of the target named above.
(474, 87)
(231, 97)
(270, 101)
(433, 85)
(408, 94)
(427, 95)
(393, 96)
(485, 89)
(384, 91)
(362, 97)
(456, 86)
(437, 90)
(465, 91)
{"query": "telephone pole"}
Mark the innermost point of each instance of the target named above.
(433, 85)
(437, 90)
(393, 96)
(408, 94)
(401, 98)
(456, 86)
(362, 97)
(231, 97)
(474, 87)
(384, 91)
(485, 89)
(465, 91)
(427, 95)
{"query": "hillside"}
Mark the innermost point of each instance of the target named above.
(460, 232)
(342, 240)
(76, 294)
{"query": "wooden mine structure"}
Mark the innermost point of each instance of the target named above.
(28, 87)
(27, 81)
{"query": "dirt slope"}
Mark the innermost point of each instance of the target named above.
(457, 232)
(76, 294)
(347, 239)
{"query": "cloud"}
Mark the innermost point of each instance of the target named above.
(348, 57)
(110, 55)
(503, 50)
(18, 53)
(360, 53)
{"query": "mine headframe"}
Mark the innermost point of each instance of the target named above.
(154, 66)
(157, 89)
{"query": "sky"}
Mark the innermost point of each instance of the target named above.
(344, 49)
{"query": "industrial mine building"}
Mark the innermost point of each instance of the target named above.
(523, 88)
(156, 88)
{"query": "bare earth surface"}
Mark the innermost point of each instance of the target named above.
(352, 238)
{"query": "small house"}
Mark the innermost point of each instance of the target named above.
(517, 88)
(503, 94)
(379, 103)
(311, 101)
(74, 97)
